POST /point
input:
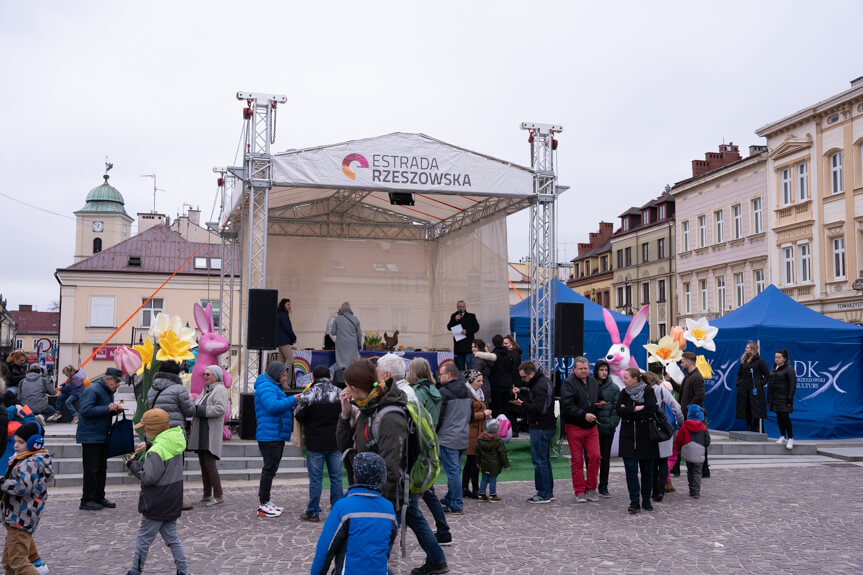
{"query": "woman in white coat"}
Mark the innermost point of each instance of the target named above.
(206, 435)
(661, 480)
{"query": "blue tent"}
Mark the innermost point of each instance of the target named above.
(827, 355)
(596, 338)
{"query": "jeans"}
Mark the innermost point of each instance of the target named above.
(540, 455)
(425, 536)
(581, 440)
(632, 466)
(451, 459)
(70, 401)
(272, 452)
(315, 464)
(605, 442)
(490, 481)
(146, 536)
(463, 360)
(94, 459)
(436, 509)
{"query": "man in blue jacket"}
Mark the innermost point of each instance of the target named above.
(95, 411)
(275, 419)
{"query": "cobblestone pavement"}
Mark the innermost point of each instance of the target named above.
(757, 520)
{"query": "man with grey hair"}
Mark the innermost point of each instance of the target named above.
(579, 405)
(453, 429)
(348, 336)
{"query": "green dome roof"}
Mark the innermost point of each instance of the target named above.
(105, 199)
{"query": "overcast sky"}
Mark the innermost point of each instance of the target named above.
(641, 88)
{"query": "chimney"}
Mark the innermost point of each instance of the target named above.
(147, 220)
(755, 150)
(194, 216)
(28, 307)
(727, 154)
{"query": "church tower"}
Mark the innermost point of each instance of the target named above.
(102, 222)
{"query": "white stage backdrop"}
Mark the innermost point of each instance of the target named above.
(408, 286)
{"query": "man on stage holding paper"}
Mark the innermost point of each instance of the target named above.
(463, 326)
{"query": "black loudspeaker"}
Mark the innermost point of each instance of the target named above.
(568, 329)
(262, 318)
(248, 420)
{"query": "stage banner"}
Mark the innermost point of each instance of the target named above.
(401, 162)
(828, 402)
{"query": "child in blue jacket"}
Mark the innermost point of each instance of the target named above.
(354, 532)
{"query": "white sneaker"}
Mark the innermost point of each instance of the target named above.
(274, 506)
(781, 440)
(268, 510)
(790, 444)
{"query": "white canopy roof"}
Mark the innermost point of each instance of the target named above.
(342, 190)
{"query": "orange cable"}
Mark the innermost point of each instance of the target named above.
(516, 290)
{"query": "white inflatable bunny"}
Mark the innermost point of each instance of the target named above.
(619, 357)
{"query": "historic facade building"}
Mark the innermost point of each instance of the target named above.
(592, 273)
(815, 203)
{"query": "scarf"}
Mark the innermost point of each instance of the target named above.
(477, 393)
(378, 390)
(636, 392)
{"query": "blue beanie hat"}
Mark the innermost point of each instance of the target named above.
(370, 471)
(695, 412)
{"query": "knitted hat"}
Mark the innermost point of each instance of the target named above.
(472, 374)
(216, 371)
(155, 421)
(493, 426)
(275, 370)
(370, 471)
(695, 412)
(32, 434)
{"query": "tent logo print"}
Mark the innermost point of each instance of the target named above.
(350, 159)
(720, 376)
(829, 377)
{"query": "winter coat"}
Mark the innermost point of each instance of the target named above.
(75, 384)
(349, 338)
(515, 356)
(577, 399)
(540, 406)
(635, 426)
(25, 489)
(608, 392)
(273, 410)
(354, 535)
(692, 441)
(483, 361)
(16, 374)
(284, 330)
(477, 424)
(34, 391)
(429, 397)
(501, 372)
(491, 454)
(755, 369)
(207, 424)
(691, 390)
(780, 390)
(168, 393)
(390, 442)
(468, 323)
(456, 413)
(663, 396)
(161, 476)
(318, 410)
(94, 418)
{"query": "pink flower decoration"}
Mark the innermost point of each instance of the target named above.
(127, 359)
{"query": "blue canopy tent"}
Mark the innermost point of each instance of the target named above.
(827, 355)
(596, 338)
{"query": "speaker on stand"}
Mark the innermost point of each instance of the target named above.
(568, 329)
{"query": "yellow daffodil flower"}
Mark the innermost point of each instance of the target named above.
(146, 353)
(665, 352)
(701, 333)
(172, 348)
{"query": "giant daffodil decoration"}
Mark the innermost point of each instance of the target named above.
(145, 350)
(677, 335)
(165, 323)
(703, 367)
(701, 333)
(173, 348)
(665, 352)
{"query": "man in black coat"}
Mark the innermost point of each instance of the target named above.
(579, 405)
(543, 426)
(469, 328)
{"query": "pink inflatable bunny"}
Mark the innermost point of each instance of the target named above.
(210, 346)
(619, 356)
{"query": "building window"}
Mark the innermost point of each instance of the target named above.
(759, 281)
(720, 227)
(576, 268)
(619, 259)
(645, 252)
(788, 265)
(97, 245)
(802, 181)
(54, 343)
(838, 258)
(738, 289)
(660, 248)
(19, 343)
(662, 330)
(645, 293)
(200, 263)
(684, 231)
(626, 224)
(603, 263)
(101, 311)
(215, 263)
(702, 231)
(687, 298)
(805, 262)
(620, 301)
(720, 294)
(703, 286)
(627, 252)
(217, 310)
(645, 217)
(628, 296)
(150, 310)
(662, 211)
(737, 217)
(836, 173)
(660, 290)
(786, 186)
(756, 216)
